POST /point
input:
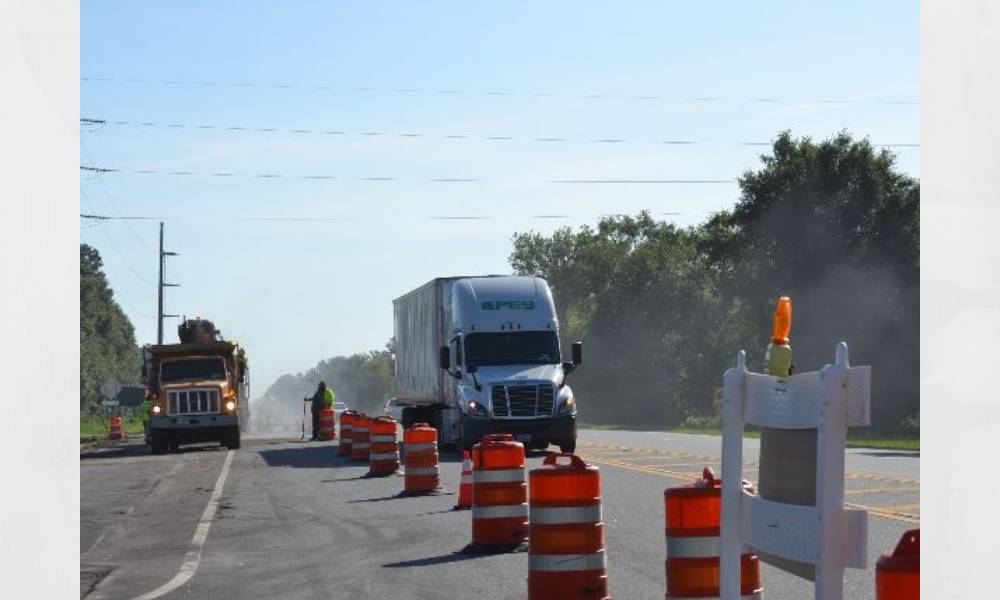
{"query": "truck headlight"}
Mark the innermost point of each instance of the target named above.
(230, 406)
(473, 403)
(567, 406)
(156, 409)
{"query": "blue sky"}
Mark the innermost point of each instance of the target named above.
(413, 92)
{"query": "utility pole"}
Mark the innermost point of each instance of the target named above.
(159, 309)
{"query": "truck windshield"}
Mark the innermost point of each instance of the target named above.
(514, 348)
(200, 368)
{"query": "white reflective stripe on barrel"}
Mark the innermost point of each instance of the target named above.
(553, 515)
(498, 476)
(747, 597)
(383, 456)
(361, 429)
(692, 547)
(361, 445)
(420, 447)
(383, 438)
(500, 512)
(567, 562)
(418, 471)
(467, 478)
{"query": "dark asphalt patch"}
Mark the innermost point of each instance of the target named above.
(89, 578)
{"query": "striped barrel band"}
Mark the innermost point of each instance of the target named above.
(422, 447)
(500, 512)
(383, 456)
(499, 476)
(554, 515)
(383, 438)
(360, 445)
(361, 429)
(746, 597)
(421, 471)
(567, 562)
(695, 547)
(466, 478)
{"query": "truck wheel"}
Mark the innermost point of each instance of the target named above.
(157, 443)
(464, 442)
(233, 440)
(174, 445)
(568, 448)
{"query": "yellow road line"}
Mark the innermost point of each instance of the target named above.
(717, 459)
(891, 490)
(886, 513)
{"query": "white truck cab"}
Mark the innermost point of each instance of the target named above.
(496, 365)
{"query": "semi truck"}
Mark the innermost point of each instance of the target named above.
(197, 390)
(480, 355)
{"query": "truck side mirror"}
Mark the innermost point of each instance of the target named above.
(577, 351)
(444, 357)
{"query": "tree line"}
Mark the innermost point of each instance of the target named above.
(108, 350)
(363, 381)
(662, 310)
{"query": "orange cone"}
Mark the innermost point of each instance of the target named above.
(465, 489)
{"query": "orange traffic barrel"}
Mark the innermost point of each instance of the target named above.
(384, 457)
(360, 432)
(346, 418)
(897, 576)
(327, 425)
(499, 492)
(465, 487)
(115, 432)
(693, 514)
(420, 444)
(566, 558)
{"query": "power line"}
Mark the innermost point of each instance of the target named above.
(549, 139)
(202, 218)
(114, 246)
(105, 170)
(438, 91)
(114, 205)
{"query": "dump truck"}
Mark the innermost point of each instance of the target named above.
(480, 355)
(197, 390)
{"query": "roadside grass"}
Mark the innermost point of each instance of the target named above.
(854, 439)
(93, 427)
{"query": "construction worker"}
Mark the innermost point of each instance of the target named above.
(318, 404)
(330, 398)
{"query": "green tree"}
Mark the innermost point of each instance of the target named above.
(836, 227)
(108, 350)
(663, 310)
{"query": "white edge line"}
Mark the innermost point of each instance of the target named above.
(193, 557)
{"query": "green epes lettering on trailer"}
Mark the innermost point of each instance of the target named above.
(508, 304)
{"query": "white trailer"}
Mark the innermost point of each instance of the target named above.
(479, 355)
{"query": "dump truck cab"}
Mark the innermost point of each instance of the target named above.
(196, 392)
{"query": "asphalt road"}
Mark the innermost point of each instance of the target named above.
(293, 520)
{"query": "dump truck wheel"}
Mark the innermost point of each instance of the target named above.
(157, 443)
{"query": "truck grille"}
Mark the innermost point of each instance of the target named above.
(522, 400)
(193, 402)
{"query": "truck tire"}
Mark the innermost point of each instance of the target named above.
(232, 440)
(568, 448)
(464, 442)
(157, 442)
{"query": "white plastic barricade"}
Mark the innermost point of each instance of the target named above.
(826, 535)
